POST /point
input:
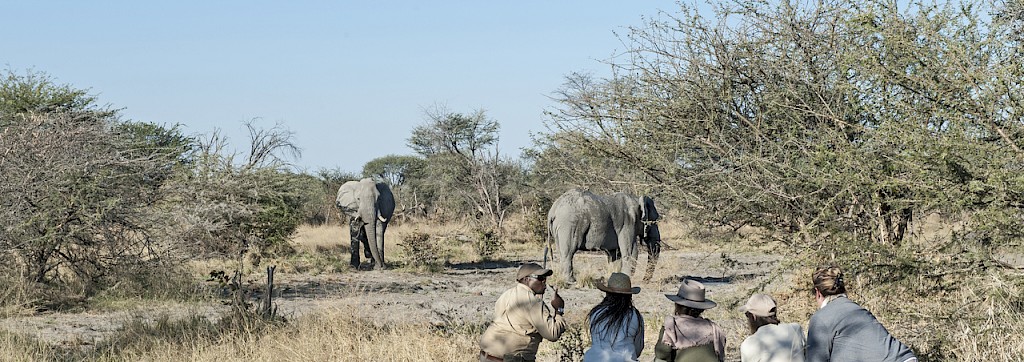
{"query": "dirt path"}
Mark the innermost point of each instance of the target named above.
(462, 293)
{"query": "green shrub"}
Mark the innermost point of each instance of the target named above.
(487, 244)
(421, 252)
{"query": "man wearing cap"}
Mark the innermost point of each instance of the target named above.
(522, 319)
(770, 341)
(686, 336)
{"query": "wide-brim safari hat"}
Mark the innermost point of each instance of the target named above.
(691, 294)
(618, 283)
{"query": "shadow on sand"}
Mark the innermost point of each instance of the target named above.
(486, 265)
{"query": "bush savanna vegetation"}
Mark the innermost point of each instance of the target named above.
(882, 136)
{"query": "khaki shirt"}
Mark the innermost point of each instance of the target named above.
(521, 319)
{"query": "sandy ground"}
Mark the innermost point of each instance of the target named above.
(462, 293)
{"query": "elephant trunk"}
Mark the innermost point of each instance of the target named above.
(653, 241)
(375, 237)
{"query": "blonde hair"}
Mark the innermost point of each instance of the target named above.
(829, 281)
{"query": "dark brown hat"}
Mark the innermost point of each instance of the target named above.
(617, 283)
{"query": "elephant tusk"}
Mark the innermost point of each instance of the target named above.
(381, 218)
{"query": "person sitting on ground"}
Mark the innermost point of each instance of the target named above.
(616, 326)
(770, 341)
(842, 330)
(686, 336)
(522, 319)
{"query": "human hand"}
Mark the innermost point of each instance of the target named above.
(556, 301)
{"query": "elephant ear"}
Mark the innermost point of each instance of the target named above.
(385, 202)
(650, 213)
(348, 198)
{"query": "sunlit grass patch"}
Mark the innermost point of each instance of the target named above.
(16, 347)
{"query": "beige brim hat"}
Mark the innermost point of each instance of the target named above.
(529, 269)
(760, 305)
(691, 294)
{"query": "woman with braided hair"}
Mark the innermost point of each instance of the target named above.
(842, 330)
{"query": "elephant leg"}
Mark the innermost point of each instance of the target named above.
(379, 238)
(566, 243)
(355, 229)
(629, 253)
(566, 253)
(614, 260)
(633, 257)
(366, 244)
(567, 268)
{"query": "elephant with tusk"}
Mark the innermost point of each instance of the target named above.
(370, 206)
(616, 224)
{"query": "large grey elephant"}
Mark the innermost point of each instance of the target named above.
(616, 224)
(369, 206)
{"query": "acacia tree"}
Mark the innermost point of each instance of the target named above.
(322, 208)
(835, 118)
(394, 170)
(405, 176)
(83, 191)
(463, 161)
(252, 204)
(582, 150)
(831, 126)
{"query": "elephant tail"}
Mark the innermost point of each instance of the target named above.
(547, 246)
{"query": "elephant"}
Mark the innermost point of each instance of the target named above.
(581, 220)
(370, 206)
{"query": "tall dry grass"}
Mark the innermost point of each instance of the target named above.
(16, 347)
(15, 297)
(332, 335)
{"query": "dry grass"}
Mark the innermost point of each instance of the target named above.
(333, 335)
(17, 299)
(15, 347)
(334, 240)
(979, 318)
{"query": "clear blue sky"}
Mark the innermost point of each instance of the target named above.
(349, 78)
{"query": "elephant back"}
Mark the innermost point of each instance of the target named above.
(630, 204)
(573, 205)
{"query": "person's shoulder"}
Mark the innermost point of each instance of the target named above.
(715, 326)
(826, 315)
(839, 304)
(791, 328)
(749, 342)
(752, 345)
(795, 326)
(521, 288)
(514, 291)
(844, 305)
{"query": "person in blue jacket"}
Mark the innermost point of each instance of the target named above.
(842, 330)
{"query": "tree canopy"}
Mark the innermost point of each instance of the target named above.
(835, 118)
